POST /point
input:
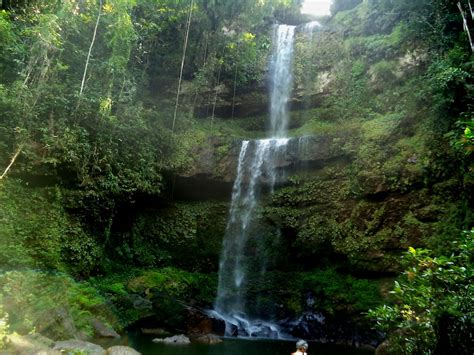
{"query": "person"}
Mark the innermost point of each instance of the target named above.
(301, 347)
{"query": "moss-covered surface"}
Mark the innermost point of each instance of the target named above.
(186, 235)
(390, 180)
(159, 294)
(55, 305)
(389, 191)
(37, 231)
(332, 291)
(52, 304)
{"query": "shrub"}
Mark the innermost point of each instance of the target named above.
(51, 304)
(434, 302)
(3, 325)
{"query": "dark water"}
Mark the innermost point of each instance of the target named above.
(232, 346)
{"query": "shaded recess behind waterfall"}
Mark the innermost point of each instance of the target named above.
(244, 250)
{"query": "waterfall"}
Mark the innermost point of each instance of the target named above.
(281, 79)
(309, 28)
(256, 174)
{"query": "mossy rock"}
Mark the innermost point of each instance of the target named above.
(52, 304)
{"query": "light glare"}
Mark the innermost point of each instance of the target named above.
(316, 7)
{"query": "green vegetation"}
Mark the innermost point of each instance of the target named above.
(37, 231)
(92, 221)
(4, 327)
(163, 293)
(433, 308)
(337, 291)
(333, 293)
(184, 229)
(56, 306)
(51, 304)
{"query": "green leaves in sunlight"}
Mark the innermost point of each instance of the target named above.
(433, 302)
(52, 304)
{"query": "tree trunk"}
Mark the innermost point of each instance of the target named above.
(90, 49)
(188, 25)
(235, 88)
(221, 62)
(11, 162)
(465, 26)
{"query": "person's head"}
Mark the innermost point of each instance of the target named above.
(301, 345)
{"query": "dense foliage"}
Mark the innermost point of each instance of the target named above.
(111, 133)
(60, 310)
(94, 150)
(80, 103)
(434, 302)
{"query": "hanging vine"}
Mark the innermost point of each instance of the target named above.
(90, 49)
(186, 37)
(218, 81)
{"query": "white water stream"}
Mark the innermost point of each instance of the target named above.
(256, 173)
(309, 28)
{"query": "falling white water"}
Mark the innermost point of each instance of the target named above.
(310, 27)
(256, 173)
(281, 79)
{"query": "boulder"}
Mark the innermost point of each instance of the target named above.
(383, 348)
(176, 339)
(310, 325)
(58, 324)
(31, 344)
(208, 339)
(121, 350)
(215, 164)
(200, 323)
(154, 331)
(79, 345)
(103, 331)
(140, 303)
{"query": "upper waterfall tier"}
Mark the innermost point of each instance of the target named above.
(281, 69)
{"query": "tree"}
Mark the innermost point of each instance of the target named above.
(433, 310)
(343, 5)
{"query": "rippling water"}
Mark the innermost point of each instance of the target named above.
(233, 346)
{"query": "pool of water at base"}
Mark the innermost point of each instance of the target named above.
(232, 346)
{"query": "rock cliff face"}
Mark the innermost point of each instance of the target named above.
(256, 102)
(359, 182)
(348, 202)
(216, 163)
(338, 198)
